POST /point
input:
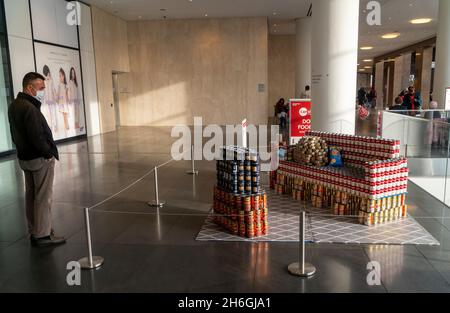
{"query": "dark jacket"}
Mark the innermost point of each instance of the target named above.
(410, 104)
(29, 129)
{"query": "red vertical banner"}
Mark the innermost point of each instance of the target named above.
(300, 119)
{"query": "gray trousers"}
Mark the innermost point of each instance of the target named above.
(39, 175)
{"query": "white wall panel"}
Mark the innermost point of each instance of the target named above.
(50, 23)
(86, 40)
(90, 93)
(22, 60)
(18, 18)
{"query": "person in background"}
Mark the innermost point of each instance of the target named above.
(435, 129)
(412, 100)
(372, 98)
(403, 93)
(398, 106)
(280, 110)
(37, 154)
(362, 97)
(307, 93)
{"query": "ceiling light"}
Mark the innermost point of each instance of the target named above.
(368, 67)
(368, 60)
(366, 48)
(421, 21)
(418, 54)
(206, 14)
(275, 13)
(391, 35)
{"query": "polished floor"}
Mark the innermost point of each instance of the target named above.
(150, 252)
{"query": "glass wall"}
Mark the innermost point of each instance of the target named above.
(5, 86)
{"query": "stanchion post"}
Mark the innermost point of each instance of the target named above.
(301, 268)
(90, 262)
(156, 203)
(193, 171)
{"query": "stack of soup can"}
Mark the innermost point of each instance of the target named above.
(240, 204)
(239, 171)
(242, 215)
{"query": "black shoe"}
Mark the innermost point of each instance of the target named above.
(33, 239)
(48, 241)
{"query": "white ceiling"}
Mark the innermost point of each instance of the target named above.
(395, 16)
(182, 9)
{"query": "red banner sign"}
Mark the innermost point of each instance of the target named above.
(300, 118)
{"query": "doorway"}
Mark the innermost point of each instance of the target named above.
(116, 96)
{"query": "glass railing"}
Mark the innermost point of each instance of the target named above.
(424, 137)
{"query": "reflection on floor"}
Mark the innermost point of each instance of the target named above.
(149, 252)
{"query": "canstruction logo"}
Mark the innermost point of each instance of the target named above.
(243, 135)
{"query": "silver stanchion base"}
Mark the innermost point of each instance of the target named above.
(155, 204)
(97, 261)
(294, 269)
(192, 172)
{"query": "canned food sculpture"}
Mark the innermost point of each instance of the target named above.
(372, 185)
(240, 204)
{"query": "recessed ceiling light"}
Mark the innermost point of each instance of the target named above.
(366, 48)
(368, 60)
(391, 35)
(421, 21)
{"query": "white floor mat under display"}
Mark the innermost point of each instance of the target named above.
(284, 227)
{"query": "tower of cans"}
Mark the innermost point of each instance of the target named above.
(240, 204)
(239, 171)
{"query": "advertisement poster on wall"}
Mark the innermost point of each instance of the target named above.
(63, 105)
(300, 119)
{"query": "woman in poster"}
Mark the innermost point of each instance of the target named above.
(73, 97)
(50, 98)
(63, 98)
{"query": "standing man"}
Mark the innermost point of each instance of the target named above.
(37, 155)
(307, 93)
(412, 101)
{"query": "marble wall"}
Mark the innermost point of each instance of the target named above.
(211, 68)
(111, 55)
(282, 62)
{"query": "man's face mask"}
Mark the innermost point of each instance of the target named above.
(39, 94)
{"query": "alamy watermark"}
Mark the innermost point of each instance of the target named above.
(73, 17)
(257, 137)
(73, 278)
(374, 13)
(374, 276)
